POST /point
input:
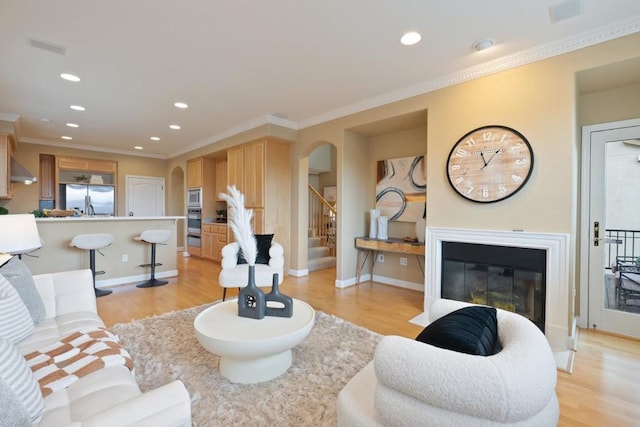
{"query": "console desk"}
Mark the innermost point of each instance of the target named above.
(368, 249)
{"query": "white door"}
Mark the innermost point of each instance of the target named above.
(145, 196)
(611, 169)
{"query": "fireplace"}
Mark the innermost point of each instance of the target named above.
(506, 277)
(558, 294)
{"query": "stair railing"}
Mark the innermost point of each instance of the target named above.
(322, 220)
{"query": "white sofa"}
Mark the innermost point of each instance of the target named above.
(410, 383)
(109, 396)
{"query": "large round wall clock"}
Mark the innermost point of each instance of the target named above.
(490, 164)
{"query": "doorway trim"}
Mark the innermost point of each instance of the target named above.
(585, 199)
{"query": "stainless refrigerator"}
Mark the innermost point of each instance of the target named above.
(96, 199)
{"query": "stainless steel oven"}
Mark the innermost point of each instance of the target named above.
(194, 221)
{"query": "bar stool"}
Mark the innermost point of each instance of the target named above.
(93, 243)
(153, 237)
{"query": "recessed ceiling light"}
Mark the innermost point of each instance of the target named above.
(154, 138)
(137, 147)
(181, 105)
(45, 119)
(66, 137)
(483, 44)
(77, 107)
(73, 125)
(410, 38)
(70, 77)
(174, 127)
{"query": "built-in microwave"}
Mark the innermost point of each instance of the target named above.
(194, 198)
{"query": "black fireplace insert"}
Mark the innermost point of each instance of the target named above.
(506, 277)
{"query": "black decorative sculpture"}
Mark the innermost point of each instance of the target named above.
(283, 305)
(251, 299)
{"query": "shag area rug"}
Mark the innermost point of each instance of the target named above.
(164, 348)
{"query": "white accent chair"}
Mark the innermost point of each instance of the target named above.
(234, 275)
(412, 383)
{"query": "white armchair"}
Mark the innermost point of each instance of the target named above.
(413, 383)
(234, 275)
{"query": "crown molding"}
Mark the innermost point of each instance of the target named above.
(91, 148)
(528, 56)
(267, 119)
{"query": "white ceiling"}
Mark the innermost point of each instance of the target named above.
(239, 64)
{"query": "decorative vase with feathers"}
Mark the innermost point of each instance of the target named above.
(251, 299)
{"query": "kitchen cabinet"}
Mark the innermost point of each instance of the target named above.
(254, 174)
(200, 172)
(6, 188)
(235, 168)
(207, 241)
(47, 177)
(221, 177)
(80, 170)
(261, 170)
(87, 165)
(194, 173)
(214, 237)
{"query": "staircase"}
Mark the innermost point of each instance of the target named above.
(319, 255)
(322, 232)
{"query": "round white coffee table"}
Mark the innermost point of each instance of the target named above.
(252, 350)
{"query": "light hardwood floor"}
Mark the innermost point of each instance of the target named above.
(604, 389)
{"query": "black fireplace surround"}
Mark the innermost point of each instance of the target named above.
(507, 277)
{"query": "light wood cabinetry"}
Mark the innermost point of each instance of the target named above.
(194, 172)
(47, 177)
(6, 188)
(214, 237)
(221, 177)
(261, 170)
(87, 165)
(235, 168)
(201, 174)
(254, 160)
(74, 170)
(207, 241)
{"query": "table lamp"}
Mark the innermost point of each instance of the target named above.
(18, 235)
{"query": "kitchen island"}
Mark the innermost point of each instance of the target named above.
(121, 261)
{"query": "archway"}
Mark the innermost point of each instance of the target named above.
(318, 169)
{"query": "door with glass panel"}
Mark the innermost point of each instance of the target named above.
(613, 175)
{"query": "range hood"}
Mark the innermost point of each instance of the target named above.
(20, 174)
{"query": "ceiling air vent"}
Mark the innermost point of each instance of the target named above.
(41, 44)
(565, 10)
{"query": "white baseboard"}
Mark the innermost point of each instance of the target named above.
(108, 283)
(299, 273)
(381, 279)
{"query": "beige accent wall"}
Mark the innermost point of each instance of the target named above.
(404, 143)
(612, 105)
(538, 99)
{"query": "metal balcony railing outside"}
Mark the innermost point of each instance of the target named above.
(628, 246)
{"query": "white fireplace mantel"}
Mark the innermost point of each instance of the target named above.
(558, 306)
